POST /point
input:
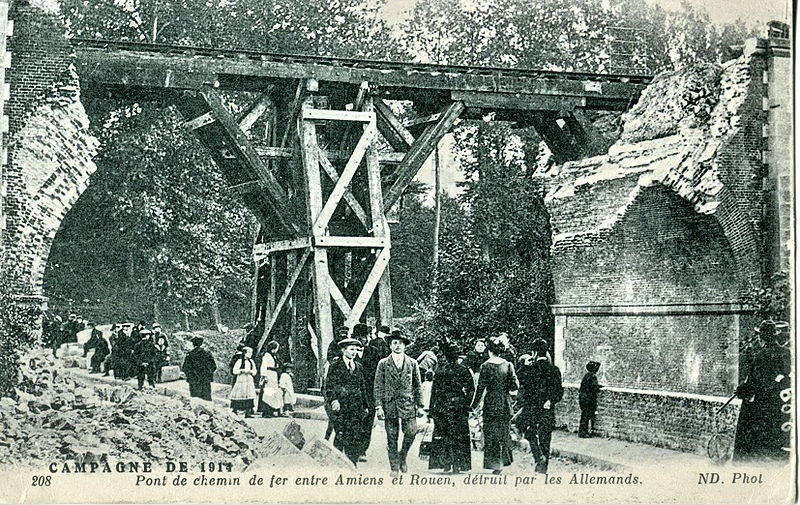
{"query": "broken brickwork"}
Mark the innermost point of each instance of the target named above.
(49, 148)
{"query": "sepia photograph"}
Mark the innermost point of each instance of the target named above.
(397, 251)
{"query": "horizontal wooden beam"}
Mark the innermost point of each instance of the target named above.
(421, 121)
(274, 153)
(338, 115)
(340, 241)
(263, 250)
(517, 101)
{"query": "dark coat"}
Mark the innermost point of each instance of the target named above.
(587, 394)
(144, 352)
(348, 388)
(398, 391)
(497, 380)
(98, 343)
(199, 366)
(474, 360)
(758, 431)
(539, 382)
(451, 396)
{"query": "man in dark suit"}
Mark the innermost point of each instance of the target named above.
(346, 397)
(199, 367)
(540, 390)
(369, 361)
(145, 355)
(398, 398)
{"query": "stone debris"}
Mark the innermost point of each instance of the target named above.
(170, 373)
(294, 434)
(326, 455)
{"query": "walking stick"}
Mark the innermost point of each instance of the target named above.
(726, 403)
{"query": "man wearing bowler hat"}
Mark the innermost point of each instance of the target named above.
(398, 399)
(346, 397)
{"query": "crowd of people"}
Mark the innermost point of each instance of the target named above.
(369, 374)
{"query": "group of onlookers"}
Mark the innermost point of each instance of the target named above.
(274, 395)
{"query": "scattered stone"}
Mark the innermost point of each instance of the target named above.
(326, 455)
(294, 433)
(275, 444)
(170, 373)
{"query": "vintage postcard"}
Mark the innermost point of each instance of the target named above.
(397, 251)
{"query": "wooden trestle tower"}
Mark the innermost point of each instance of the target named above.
(333, 158)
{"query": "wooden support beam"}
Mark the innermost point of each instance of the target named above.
(198, 122)
(351, 200)
(339, 298)
(374, 277)
(422, 121)
(556, 139)
(344, 180)
(273, 283)
(392, 128)
(322, 299)
(517, 101)
(245, 187)
(589, 140)
(363, 88)
(262, 251)
(291, 280)
(296, 104)
(270, 153)
(239, 143)
(338, 115)
(380, 228)
(339, 241)
(254, 111)
(422, 148)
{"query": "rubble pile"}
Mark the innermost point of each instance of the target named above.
(56, 417)
(673, 102)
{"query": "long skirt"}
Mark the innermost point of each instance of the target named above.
(496, 442)
(450, 447)
(271, 395)
(243, 394)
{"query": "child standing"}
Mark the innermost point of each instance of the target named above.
(286, 383)
(587, 399)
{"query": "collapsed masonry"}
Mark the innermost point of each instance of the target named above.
(655, 243)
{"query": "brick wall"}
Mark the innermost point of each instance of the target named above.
(682, 422)
(49, 149)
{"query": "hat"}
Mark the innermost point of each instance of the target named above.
(342, 332)
(197, 341)
(398, 335)
(768, 328)
(593, 366)
(156, 325)
(360, 330)
(384, 329)
(540, 346)
(349, 341)
(145, 332)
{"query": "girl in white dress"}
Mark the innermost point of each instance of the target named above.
(271, 394)
(243, 394)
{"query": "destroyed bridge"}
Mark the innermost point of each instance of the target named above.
(318, 175)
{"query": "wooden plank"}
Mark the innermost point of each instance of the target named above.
(339, 298)
(381, 262)
(313, 186)
(270, 153)
(391, 128)
(421, 121)
(517, 101)
(245, 187)
(281, 245)
(351, 200)
(363, 88)
(380, 227)
(556, 139)
(273, 283)
(589, 139)
(254, 111)
(199, 122)
(244, 150)
(341, 241)
(344, 180)
(420, 151)
(337, 115)
(290, 283)
(296, 104)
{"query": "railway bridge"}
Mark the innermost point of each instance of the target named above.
(330, 158)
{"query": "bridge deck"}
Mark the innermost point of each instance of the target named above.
(133, 64)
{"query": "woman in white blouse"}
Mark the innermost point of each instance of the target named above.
(271, 394)
(243, 394)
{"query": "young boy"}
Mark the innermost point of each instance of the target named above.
(286, 383)
(587, 399)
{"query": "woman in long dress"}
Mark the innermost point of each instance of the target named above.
(271, 394)
(451, 396)
(243, 394)
(497, 380)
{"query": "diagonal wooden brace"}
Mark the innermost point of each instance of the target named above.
(381, 262)
(244, 150)
(392, 128)
(290, 282)
(422, 148)
(338, 297)
(351, 200)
